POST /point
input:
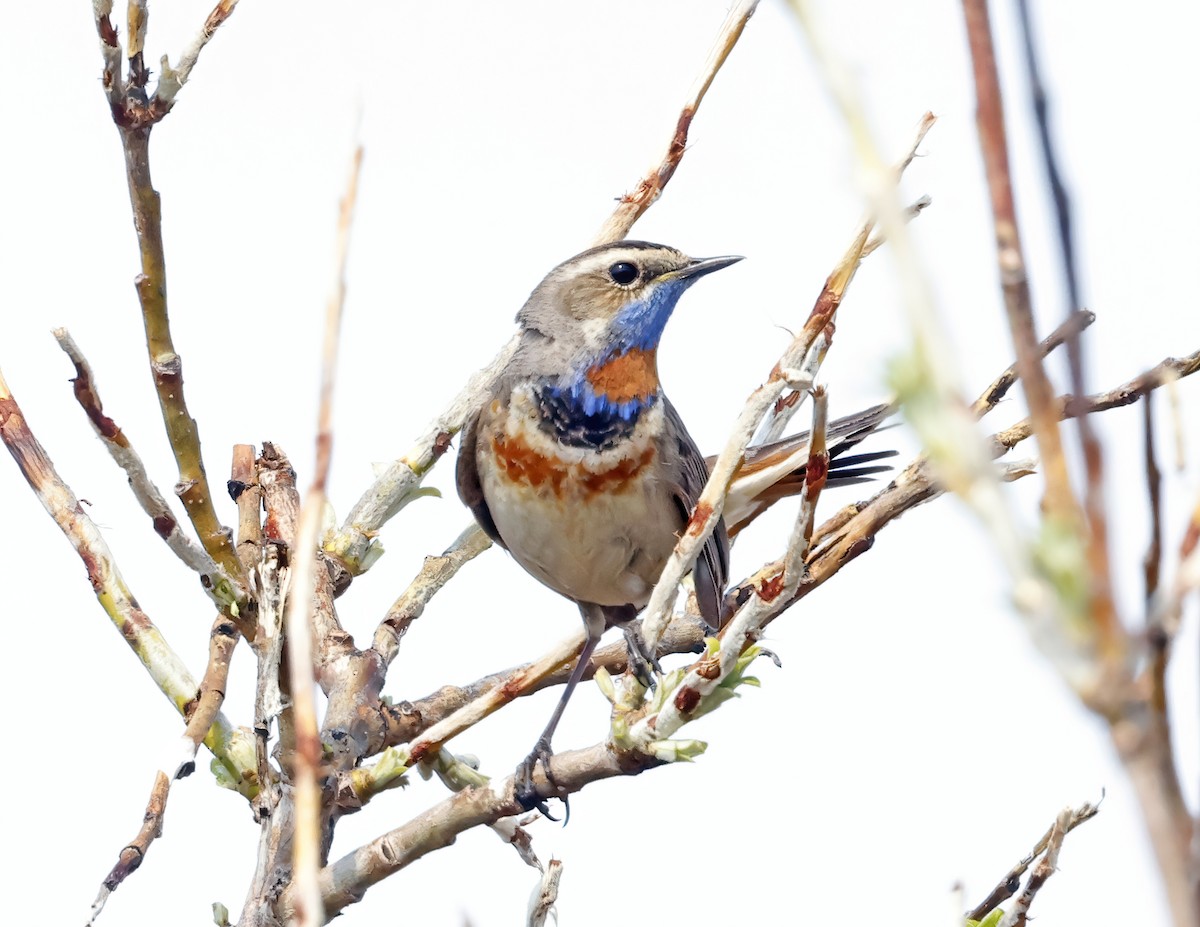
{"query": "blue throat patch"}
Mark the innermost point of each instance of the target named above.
(576, 416)
(573, 411)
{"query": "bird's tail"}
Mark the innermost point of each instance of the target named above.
(775, 471)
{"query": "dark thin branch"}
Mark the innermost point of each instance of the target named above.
(1058, 189)
(1072, 326)
(1007, 886)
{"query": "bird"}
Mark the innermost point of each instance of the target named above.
(578, 464)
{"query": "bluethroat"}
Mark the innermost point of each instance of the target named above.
(579, 465)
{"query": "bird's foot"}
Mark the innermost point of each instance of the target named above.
(526, 789)
(642, 659)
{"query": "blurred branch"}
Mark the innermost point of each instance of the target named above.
(1070, 597)
(1059, 500)
(541, 902)
(311, 627)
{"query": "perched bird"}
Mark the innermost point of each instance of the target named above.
(579, 465)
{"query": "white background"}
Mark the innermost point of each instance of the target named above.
(914, 738)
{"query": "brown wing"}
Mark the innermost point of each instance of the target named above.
(711, 572)
(470, 490)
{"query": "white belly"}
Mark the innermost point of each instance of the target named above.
(595, 526)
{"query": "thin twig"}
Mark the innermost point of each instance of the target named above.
(435, 573)
(633, 205)
(132, 855)
(216, 582)
(135, 115)
(1074, 324)
(172, 79)
(201, 713)
(1007, 886)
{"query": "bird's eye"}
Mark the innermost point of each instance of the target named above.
(623, 273)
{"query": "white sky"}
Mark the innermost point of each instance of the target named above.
(914, 739)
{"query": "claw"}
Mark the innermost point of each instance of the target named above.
(641, 658)
(525, 788)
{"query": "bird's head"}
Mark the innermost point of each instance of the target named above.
(603, 312)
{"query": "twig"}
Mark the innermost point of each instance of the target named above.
(404, 721)
(135, 115)
(353, 545)
(1066, 822)
(716, 674)
(435, 573)
(201, 713)
(649, 189)
(171, 80)
(1058, 189)
(132, 855)
(1073, 325)
(165, 668)
(216, 582)
(1125, 394)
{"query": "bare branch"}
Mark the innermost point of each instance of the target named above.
(650, 188)
(1066, 822)
(1075, 323)
(221, 588)
(155, 654)
(132, 855)
(436, 572)
(201, 713)
(172, 79)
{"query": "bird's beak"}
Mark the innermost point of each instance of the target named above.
(701, 266)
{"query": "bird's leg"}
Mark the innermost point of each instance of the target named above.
(642, 659)
(526, 791)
